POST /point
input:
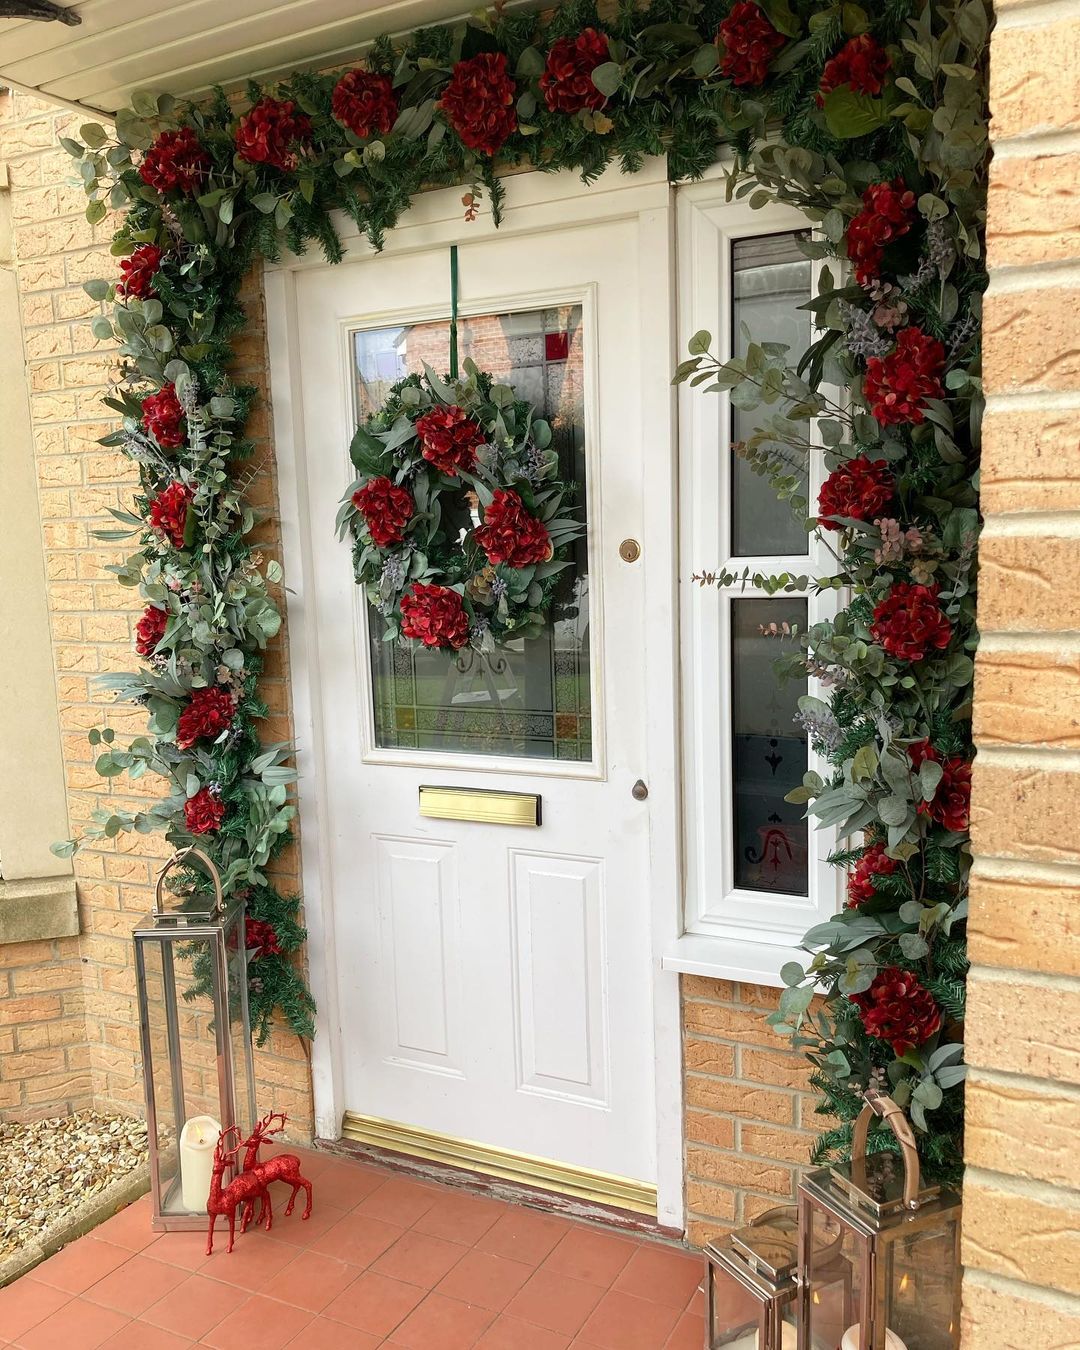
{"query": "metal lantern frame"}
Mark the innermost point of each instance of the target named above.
(761, 1260)
(163, 929)
(878, 1213)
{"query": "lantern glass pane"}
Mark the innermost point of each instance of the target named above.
(736, 1313)
(165, 1077)
(921, 1280)
(235, 998)
(838, 1268)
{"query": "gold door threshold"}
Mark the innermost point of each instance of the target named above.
(596, 1187)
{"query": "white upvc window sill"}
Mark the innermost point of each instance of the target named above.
(728, 958)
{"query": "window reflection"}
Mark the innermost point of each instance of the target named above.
(528, 698)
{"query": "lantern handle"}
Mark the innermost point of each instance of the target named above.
(878, 1104)
(181, 856)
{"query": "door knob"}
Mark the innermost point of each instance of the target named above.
(639, 791)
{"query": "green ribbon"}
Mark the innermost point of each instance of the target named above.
(453, 311)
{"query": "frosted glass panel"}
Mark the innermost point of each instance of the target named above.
(532, 697)
(769, 750)
(771, 279)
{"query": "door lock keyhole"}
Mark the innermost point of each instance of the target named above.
(639, 791)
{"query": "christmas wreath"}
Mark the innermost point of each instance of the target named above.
(460, 521)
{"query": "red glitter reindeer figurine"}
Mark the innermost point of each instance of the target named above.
(281, 1167)
(243, 1190)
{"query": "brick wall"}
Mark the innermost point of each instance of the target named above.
(750, 1117)
(68, 1030)
(1022, 1193)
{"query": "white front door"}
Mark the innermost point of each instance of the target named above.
(492, 983)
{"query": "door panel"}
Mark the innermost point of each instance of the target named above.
(494, 982)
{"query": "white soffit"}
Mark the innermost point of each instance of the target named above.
(185, 48)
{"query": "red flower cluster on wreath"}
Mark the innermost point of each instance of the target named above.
(510, 534)
(261, 939)
(479, 102)
(861, 64)
(449, 438)
(898, 385)
(874, 862)
(150, 630)
(386, 509)
(271, 132)
(567, 78)
(138, 270)
(950, 806)
(435, 615)
(898, 1009)
(888, 213)
(163, 417)
(168, 512)
(176, 162)
(364, 102)
(750, 43)
(909, 622)
(209, 712)
(203, 812)
(860, 489)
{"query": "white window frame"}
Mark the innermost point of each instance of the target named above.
(728, 932)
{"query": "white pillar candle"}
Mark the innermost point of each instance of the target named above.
(851, 1339)
(789, 1340)
(197, 1140)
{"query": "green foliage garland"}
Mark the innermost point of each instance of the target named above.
(818, 104)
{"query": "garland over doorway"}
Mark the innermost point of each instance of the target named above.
(873, 122)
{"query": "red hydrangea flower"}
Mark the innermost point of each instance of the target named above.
(387, 509)
(150, 630)
(271, 133)
(168, 512)
(365, 103)
(209, 712)
(873, 863)
(435, 615)
(909, 622)
(510, 535)
(138, 270)
(567, 78)
(861, 63)
(898, 385)
(203, 812)
(750, 43)
(449, 438)
(888, 213)
(163, 417)
(176, 162)
(896, 1008)
(951, 803)
(260, 938)
(859, 488)
(479, 102)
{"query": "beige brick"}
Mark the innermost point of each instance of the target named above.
(782, 1145)
(777, 1068)
(1008, 1319)
(739, 1171)
(1032, 84)
(53, 1089)
(16, 1010)
(711, 1057)
(714, 1202)
(703, 1128)
(738, 1099)
(699, 1232)
(1020, 584)
(1034, 210)
(1022, 1130)
(44, 979)
(1034, 1237)
(728, 1023)
(1027, 698)
(1030, 340)
(1025, 813)
(1019, 1025)
(32, 1065)
(1025, 924)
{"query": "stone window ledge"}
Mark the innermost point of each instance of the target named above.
(37, 909)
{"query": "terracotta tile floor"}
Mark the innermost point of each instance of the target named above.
(384, 1260)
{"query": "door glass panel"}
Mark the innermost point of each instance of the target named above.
(771, 280)
(529, 697)
(769, 750)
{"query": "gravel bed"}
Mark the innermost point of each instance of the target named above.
(50, 1170)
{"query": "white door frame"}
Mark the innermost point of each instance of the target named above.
(535, 204)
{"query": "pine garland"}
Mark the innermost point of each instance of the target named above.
(844, 99)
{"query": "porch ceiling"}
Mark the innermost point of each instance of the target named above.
(186, 47)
